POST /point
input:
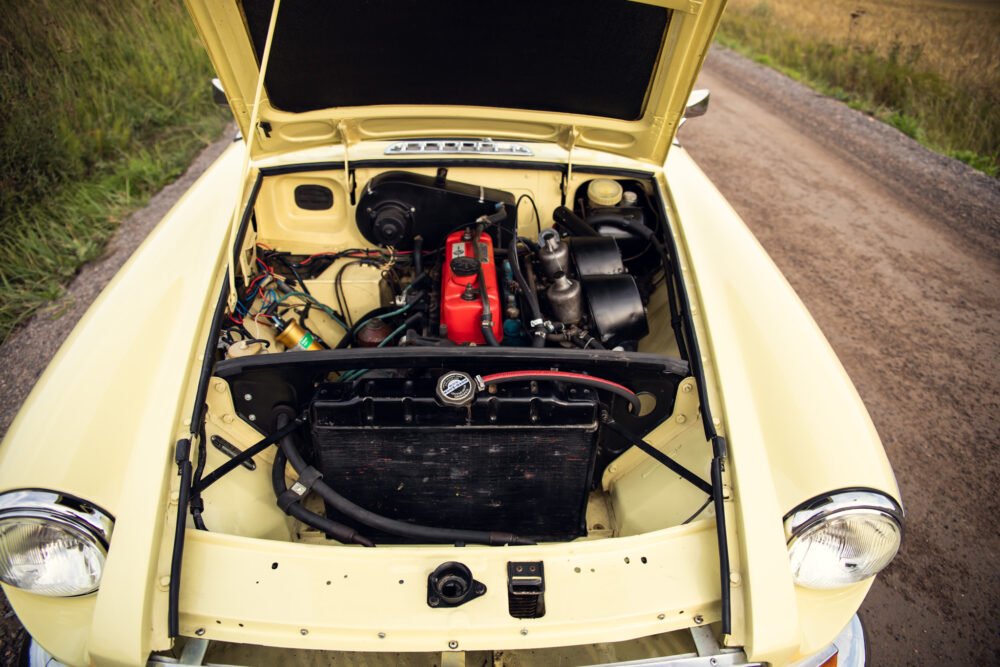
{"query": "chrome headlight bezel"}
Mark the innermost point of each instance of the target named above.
(811, 516)
(86, 521)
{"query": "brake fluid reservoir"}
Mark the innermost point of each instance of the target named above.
(461, 304)
(604, 192)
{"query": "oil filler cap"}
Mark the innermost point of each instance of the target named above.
(456, 388)
(465, 266)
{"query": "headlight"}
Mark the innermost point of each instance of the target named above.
(52, 544)
(842, 538)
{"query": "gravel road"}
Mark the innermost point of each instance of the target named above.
(896, 252)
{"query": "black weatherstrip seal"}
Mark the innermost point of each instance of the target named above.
(482, 163)
(183, 450)
(719, 452)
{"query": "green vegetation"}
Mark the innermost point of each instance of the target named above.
(101, 105)
(928, 69)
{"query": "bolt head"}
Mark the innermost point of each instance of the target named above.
(381, 635)
(200, 632)
(453, 644)
(660, 617)
(699, 619)
(247, 397)
(524, 632)
(687, 389)
(252, 418)
(304, 632)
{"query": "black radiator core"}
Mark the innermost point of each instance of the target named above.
(520, 460)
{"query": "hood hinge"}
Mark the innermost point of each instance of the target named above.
(568, 141)
(348, 136)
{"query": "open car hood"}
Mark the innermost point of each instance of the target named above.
(610, 75)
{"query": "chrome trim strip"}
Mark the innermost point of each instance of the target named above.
(733, 658)
(65, 509)
(445, 146)
(851, 645)
(848, 646)
(819, 509)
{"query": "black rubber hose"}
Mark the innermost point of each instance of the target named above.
(487, 324)
(384, 524)
(491, 340)
(418, 255)
(291, 267)
(348, 338)
(586, 341)
(538, 330)
(572, 223)
(336, 530)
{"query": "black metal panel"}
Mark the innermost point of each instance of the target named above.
(589, 57)
(291, 378)
(520, 460)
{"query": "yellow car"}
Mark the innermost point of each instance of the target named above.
(455, 357)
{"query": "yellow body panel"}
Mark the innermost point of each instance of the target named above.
(102, 420)
(692, 25)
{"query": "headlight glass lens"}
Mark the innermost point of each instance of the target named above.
(844, 548)
(46, 557)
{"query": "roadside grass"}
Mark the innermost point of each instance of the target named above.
(101, 105)
(929, 68)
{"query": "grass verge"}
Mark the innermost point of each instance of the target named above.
(929, 69)
(101, 105)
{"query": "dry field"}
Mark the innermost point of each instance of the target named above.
(929, 67)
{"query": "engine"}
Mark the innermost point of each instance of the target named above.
(568, 286)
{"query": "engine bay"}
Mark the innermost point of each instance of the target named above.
(453, 268)
(472, 372)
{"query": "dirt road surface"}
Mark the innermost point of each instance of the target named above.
(896, 252)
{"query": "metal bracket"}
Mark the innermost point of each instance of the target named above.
(232, 451)
(704, 641)
(346, 131)
(526, 589)
(568, 141)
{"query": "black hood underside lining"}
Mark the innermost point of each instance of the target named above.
(592, 57)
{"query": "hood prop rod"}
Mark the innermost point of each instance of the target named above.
(250, 136)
